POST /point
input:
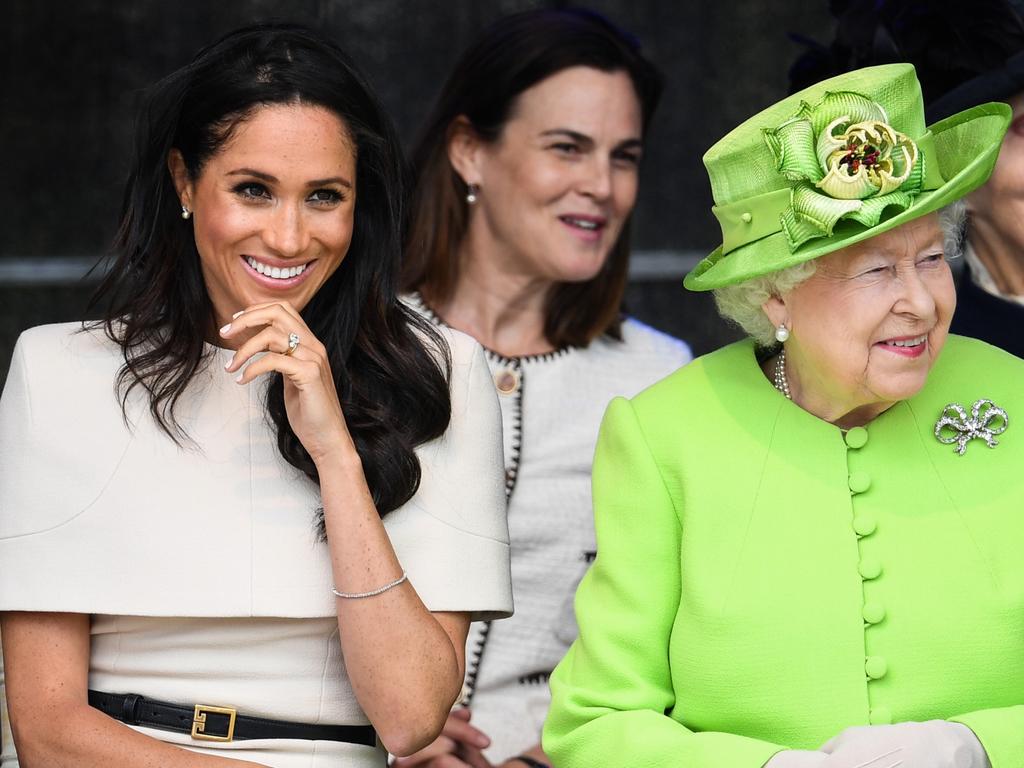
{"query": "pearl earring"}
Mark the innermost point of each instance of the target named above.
(472, 190)
(185, 212)
(781, 333)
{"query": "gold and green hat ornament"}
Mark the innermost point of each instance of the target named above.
(837, 163)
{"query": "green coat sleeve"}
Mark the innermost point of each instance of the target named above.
(1001, 733)
(612, 693)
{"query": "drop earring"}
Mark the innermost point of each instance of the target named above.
(472, 192)
(185, 213)
(781, 333)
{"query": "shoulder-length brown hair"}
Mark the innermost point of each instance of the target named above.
(512, 55)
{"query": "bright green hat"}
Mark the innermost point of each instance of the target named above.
(837, 163)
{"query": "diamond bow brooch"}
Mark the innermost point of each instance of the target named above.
(985, 422)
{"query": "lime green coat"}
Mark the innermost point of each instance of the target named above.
(761, 584)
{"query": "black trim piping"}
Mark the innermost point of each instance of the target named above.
(535, 678)
(511, 473)
(473, 667)
(541, 357)
(511, 469)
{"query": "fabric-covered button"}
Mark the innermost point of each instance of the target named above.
(506, 381)
(873, 612)
(859, 482)
(864, 523)
(857, 437)
(869, 567)
(875, 667)
(880, 716)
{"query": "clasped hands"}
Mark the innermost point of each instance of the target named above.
(460, 745)
(931, 744)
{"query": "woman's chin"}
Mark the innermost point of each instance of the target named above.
(580, 271)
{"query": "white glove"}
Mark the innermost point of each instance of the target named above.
(797, 758)
(932, 744)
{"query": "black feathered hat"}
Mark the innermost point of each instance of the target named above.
(964, 54)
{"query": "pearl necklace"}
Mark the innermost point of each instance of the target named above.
(779, 379)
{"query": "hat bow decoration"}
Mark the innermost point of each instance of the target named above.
(847, 162)
(837, 164)
(985, 422)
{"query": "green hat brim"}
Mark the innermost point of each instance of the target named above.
(968, 145)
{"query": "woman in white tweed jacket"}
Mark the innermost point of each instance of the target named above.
(528, 172)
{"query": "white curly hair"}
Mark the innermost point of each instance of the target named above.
(741, 303)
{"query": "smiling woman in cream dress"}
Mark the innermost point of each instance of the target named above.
(252, 514)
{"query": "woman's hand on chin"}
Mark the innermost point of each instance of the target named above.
(310, 397)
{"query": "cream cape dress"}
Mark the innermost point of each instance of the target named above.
(200, 564)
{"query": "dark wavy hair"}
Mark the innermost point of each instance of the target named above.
(512, 55)
(390, 366)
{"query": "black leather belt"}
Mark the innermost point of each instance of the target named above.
(209, 723)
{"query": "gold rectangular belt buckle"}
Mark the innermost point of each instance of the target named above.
(199, 723)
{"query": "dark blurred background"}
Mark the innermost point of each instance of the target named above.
(71, 76)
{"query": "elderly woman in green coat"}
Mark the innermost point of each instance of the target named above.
(811, 543)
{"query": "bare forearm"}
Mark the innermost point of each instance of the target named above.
(403, 665)
(403, 662)
(86, 738)
(46, 657)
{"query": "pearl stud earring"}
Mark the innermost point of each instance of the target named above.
(781, 334)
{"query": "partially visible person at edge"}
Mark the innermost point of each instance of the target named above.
(809, 542)
(527, 176)
(252, 512)
(961, 63)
